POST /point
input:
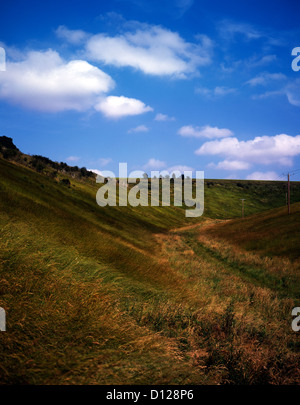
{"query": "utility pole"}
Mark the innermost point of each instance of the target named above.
(289, 195)
(242, 199)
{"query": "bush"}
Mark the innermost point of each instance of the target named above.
(65, 182)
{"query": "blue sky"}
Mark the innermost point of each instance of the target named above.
(202, 85)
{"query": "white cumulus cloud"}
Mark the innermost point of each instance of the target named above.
(139, 128)
(262, 176)
(163, 117)
(204, 132)
(152, 49)
(73, 159)
(120, 106)
(44, 81)
(218, 91)
(231, 165)
(261, 150)
(154, 164)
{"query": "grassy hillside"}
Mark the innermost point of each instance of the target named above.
(223, 197)
(272, 233)
(133, 295)
(70, 272)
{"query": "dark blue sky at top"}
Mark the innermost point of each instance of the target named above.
(23, 20)
(248, 110)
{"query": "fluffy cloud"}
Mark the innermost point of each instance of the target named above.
(163, 117)
(73, 159)
(120, 106)
(204, 132)
(154, 164)
(262, 176)
(265, 78)
(75, 37)
(264, 149)
(139, 128)
(153, 50)
(231, 165)
(179, 168)
(44, 81)
(218, 91)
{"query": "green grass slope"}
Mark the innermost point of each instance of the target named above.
(272, 233)
(223, 197)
